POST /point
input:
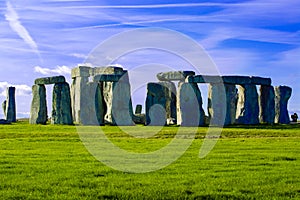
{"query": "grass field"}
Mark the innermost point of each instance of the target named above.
(51, 162)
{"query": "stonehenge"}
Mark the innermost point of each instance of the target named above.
(102, 95)
(61, 102)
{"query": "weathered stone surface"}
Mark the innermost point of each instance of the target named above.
(189, 105)
(160, 103)
(138, 109)
(203, 79)
(267, 104)
(231, 103)
(247, 107)
(11, 104)
(4, 121)
(174, 75)
(107, 70)
(282, 95)
(61, 104)
(122, 112)
(4, 107)
(38, 112)
(80, 71)
(50, 80)
(260, 81)
(107, 77)
(216, 104)
(237, 80)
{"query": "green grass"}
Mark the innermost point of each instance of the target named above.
(50, 162)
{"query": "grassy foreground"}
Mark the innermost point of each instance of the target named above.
(51, 162)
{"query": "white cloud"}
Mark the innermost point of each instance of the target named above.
(21, 90)
(61, 70)
(78, 55)
(13, 18)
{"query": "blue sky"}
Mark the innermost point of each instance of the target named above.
(49, 37)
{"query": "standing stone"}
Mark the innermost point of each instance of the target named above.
(4, 107)
(11, 105)
(231, 103)
(267, 104)
(138, 109)
(38, 112)
(99, 104)
(61, 104)
(282, 95)
(247, 107)
(160, 103)
(217, 104)
(189, 105)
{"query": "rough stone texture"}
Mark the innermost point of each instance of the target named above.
(61, 104)
(204, 79)
(174, 75)
(160, 103)
(100, 105)
(80, 71)
(260, 81)
(11, 104)
(4, 107)
(189, 105)
(267, 104)
(138, 109)
(38, 112)
(247, 107)
(282, 95)
(50, 80)
(217, 104)
(107, 77)
(231, 103)
(139, 119)
(237, 80)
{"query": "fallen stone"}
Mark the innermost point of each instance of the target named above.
(174, 75)
(189, 105)
(267, 104)
(50, 80)
(260, 81)
(38, 112)
(61, 105)
(247, 107)
(11, 105)
(282, 95)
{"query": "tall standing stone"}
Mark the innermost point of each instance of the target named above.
(38, 112)
(189, 105)
(160, 103)
(11, 105)
(282, 95)
(231, 103)
(4, 107)
(267, 104)
(217, 104)
(247, 107)
(61, 104)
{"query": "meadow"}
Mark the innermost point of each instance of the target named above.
(248, 162)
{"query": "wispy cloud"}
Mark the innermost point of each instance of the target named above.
(13, 18)
(61, 70)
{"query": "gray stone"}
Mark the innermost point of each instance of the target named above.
(50, 80)
(267, 104)
(189, 105)
(80, 71)
(107, 77)
(216, 104)
(174, 75)
(237, 80)
(139, 119)
(247, 107)
(11, 105)
(38, 112)
(260, 81)
(160, 103)
(138, 109)
(4, 122)
(231, 103)
(61, 104)
(204, 79)
(282, 95)
(4, 107)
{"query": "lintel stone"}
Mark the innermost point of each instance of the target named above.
(50, 80)
(204, 79)
(174, 75)
(107, 77)
(260, 81)
(80, 71)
